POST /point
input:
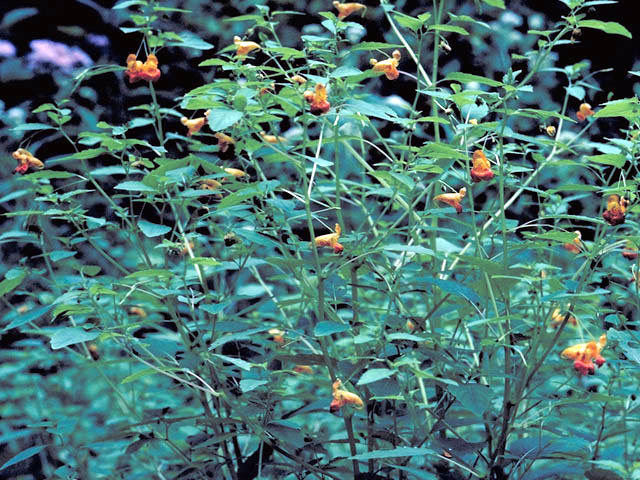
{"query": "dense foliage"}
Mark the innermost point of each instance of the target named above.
(320, 248)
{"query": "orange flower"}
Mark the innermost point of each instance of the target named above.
(303, 369)
(630, 252)
(212, 185)
(343, 397)
(26, 161)
(243, 48)
(269, 88)
(318, 100)
(185, 250)
(481, 170)
(272, 138)
(195, 124)
(576, 245)
(616, 208)
(389, 66)
(235, 172)
(224, 141)
(138, 311)
(299, 79)
(331, 240)
(277, 335)
(557, 317)
(94, 352)
(136, 70)
(585, 354)
(346, 9)
(410, 325)
(452, 199)
(584, 112)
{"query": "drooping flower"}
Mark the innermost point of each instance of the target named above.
(616, 209)
(557, 317)
(299, 79)
(26, 161)
(576, 245)
(272, 138)
(224, 141)
(277, 335)
(303, 369)
(452, 199)
(584, 355)
(195, 124)
(346, 9)
(584, 112)
(136, 70)
(630, 252)
(237, 173)
(186, 248)
(318, 99)
(271, 88)
(343, 397)
(244, 47)
(150, 70)
(410, 326)
(331, 240)
(389, 66)
(210, 184)
(551, 130)
(139, 311)
(481, 170)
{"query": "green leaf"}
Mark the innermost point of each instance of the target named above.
(206, 261)
(128, 3)
(396, 452)
(70, 336)
(374, 46)
(29, 316)
(32, 126)
(468, 78)
(190, 40)
(473, 397)
(626, 107)
(145, 372)
(328, 328)
(28, 453)
(616, 159)
(409, 22)
(47, 174)
(151, 273)
(608, 27)
(375, 374)
(448, 28)
(495, 3)
(87, 154)
(11, 281)
(153, 229)
(222, 118)
(133, 186)
(17, 15)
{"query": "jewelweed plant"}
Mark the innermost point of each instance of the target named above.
(335, 258)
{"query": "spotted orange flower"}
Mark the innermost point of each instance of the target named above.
(185, 250)
(410, 326)
(277, 335)
(584, 355)
(244, 47)
(346, 9)
(271, 88)
(211, 184)
(576, 245)
(452, 199)
(331, 240)
(630, 252)
(195, 124)
(616, 209)
(224, 141)
(272, 138)
(318, 99)
(557, 318)
(303, 369)
(389, 66)
(584, 112)
(343, 397)
(26, 161)
(136, 70)
(481, 170)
